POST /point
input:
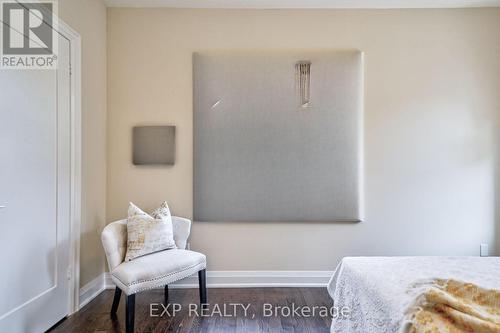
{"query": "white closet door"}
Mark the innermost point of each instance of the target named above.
(35, 189)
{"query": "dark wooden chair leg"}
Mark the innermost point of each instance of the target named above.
(116, 301)
(130, 313)
(166, 294)
(202, 279)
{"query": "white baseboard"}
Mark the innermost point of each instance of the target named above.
(91, 290)
(251, 279)
(224, 279)
(108, 282)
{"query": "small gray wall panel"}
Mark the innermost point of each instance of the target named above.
(153, 145)
(259, 156)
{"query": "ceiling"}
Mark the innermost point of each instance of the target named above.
(275, 4)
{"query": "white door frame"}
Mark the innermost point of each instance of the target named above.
(76, 162)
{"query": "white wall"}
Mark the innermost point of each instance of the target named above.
(88, 18)
(432, 101)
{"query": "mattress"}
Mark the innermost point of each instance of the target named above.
(375, 292)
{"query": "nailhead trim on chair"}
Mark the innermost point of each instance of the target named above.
(201, 265)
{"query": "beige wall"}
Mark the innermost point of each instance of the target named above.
(88, 18)
(431, 104)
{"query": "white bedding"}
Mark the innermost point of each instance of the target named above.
(378, 290)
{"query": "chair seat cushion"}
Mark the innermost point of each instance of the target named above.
(157, 269)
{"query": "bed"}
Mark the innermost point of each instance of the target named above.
(379, 292)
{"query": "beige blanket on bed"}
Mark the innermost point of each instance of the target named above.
(451, 306)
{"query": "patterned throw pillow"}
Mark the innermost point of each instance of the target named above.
(162, 212)
(147, 234)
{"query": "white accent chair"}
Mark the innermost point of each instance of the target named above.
(150, 271)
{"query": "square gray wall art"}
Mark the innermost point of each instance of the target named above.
(153, 145)
(260, 154)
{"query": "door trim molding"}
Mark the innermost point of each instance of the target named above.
(74, 39)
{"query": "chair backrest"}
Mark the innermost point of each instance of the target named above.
(114, 239)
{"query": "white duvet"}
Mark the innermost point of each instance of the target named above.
(378, 290)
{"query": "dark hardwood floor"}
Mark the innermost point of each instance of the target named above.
(95, 316)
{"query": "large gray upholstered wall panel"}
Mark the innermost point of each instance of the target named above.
(258, 155)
